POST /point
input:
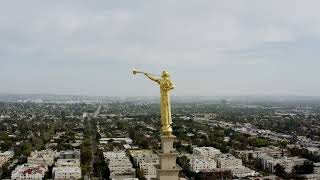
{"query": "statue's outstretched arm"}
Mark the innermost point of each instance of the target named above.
(152, 78)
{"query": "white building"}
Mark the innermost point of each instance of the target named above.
(146, 160)
(5, 157)
(119, 140)
(202, 164)
(149, 169)
(68, 163)
(210, 152)
(70, 154)
(66, 173)
(119, 164)
(45, 157)
(114, 155)
(204, 116)
(147, 156)
(269, 162)
(67, 168)
(249, 154)
(316, 168)
(242, 172)
(29, 171)
(274, 151)
(120, 167)
(228, 161)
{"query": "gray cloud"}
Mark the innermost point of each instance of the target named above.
(222, 42)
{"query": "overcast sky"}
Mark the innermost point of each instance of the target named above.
(211, 48)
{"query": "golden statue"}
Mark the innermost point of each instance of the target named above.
(165, 86)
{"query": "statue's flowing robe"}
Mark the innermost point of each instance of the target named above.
(165, 86)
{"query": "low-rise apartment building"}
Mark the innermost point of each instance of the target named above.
(242, 172)
(60, 173)
(69, 154)
(288, 163)
(146, 160)
(228, 161)
(29, 171)
(114, 155)
(119, 164)
(45, 157)
(149, 169)
(147, 156)
(68, 163)
(202, 164)
(316, 168)
(210, 152)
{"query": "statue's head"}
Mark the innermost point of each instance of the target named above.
(165, 74)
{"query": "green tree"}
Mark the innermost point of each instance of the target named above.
(86, 155)
(279, 170)
(24, 149)
(305, 168)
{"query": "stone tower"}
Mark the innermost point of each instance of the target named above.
(167, 169)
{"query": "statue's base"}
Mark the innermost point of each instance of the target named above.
(168, 169)
(168, 174)
(166, 130)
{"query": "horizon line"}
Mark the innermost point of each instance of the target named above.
(151, 96)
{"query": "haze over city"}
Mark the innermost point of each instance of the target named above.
(211, 48)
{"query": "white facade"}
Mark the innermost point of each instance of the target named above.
(293, 161)
(45, 157)
(120, 167)
(316, 168)
(249, 154)
(146, 156)
(5, 157)
(125, 140)
(269, 162)
(113, 155)
(66, 173)
(68, 163)
(228, 161)
(204, 116)
(29, 171)
(149, 170)
(274, 151)
(151, 158)
(70, 154)
(119, 164)
(242, 172)
(210, 152)
(146, 160)
(202, 164)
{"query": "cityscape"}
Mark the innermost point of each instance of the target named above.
(159, 90)
(74, 137)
